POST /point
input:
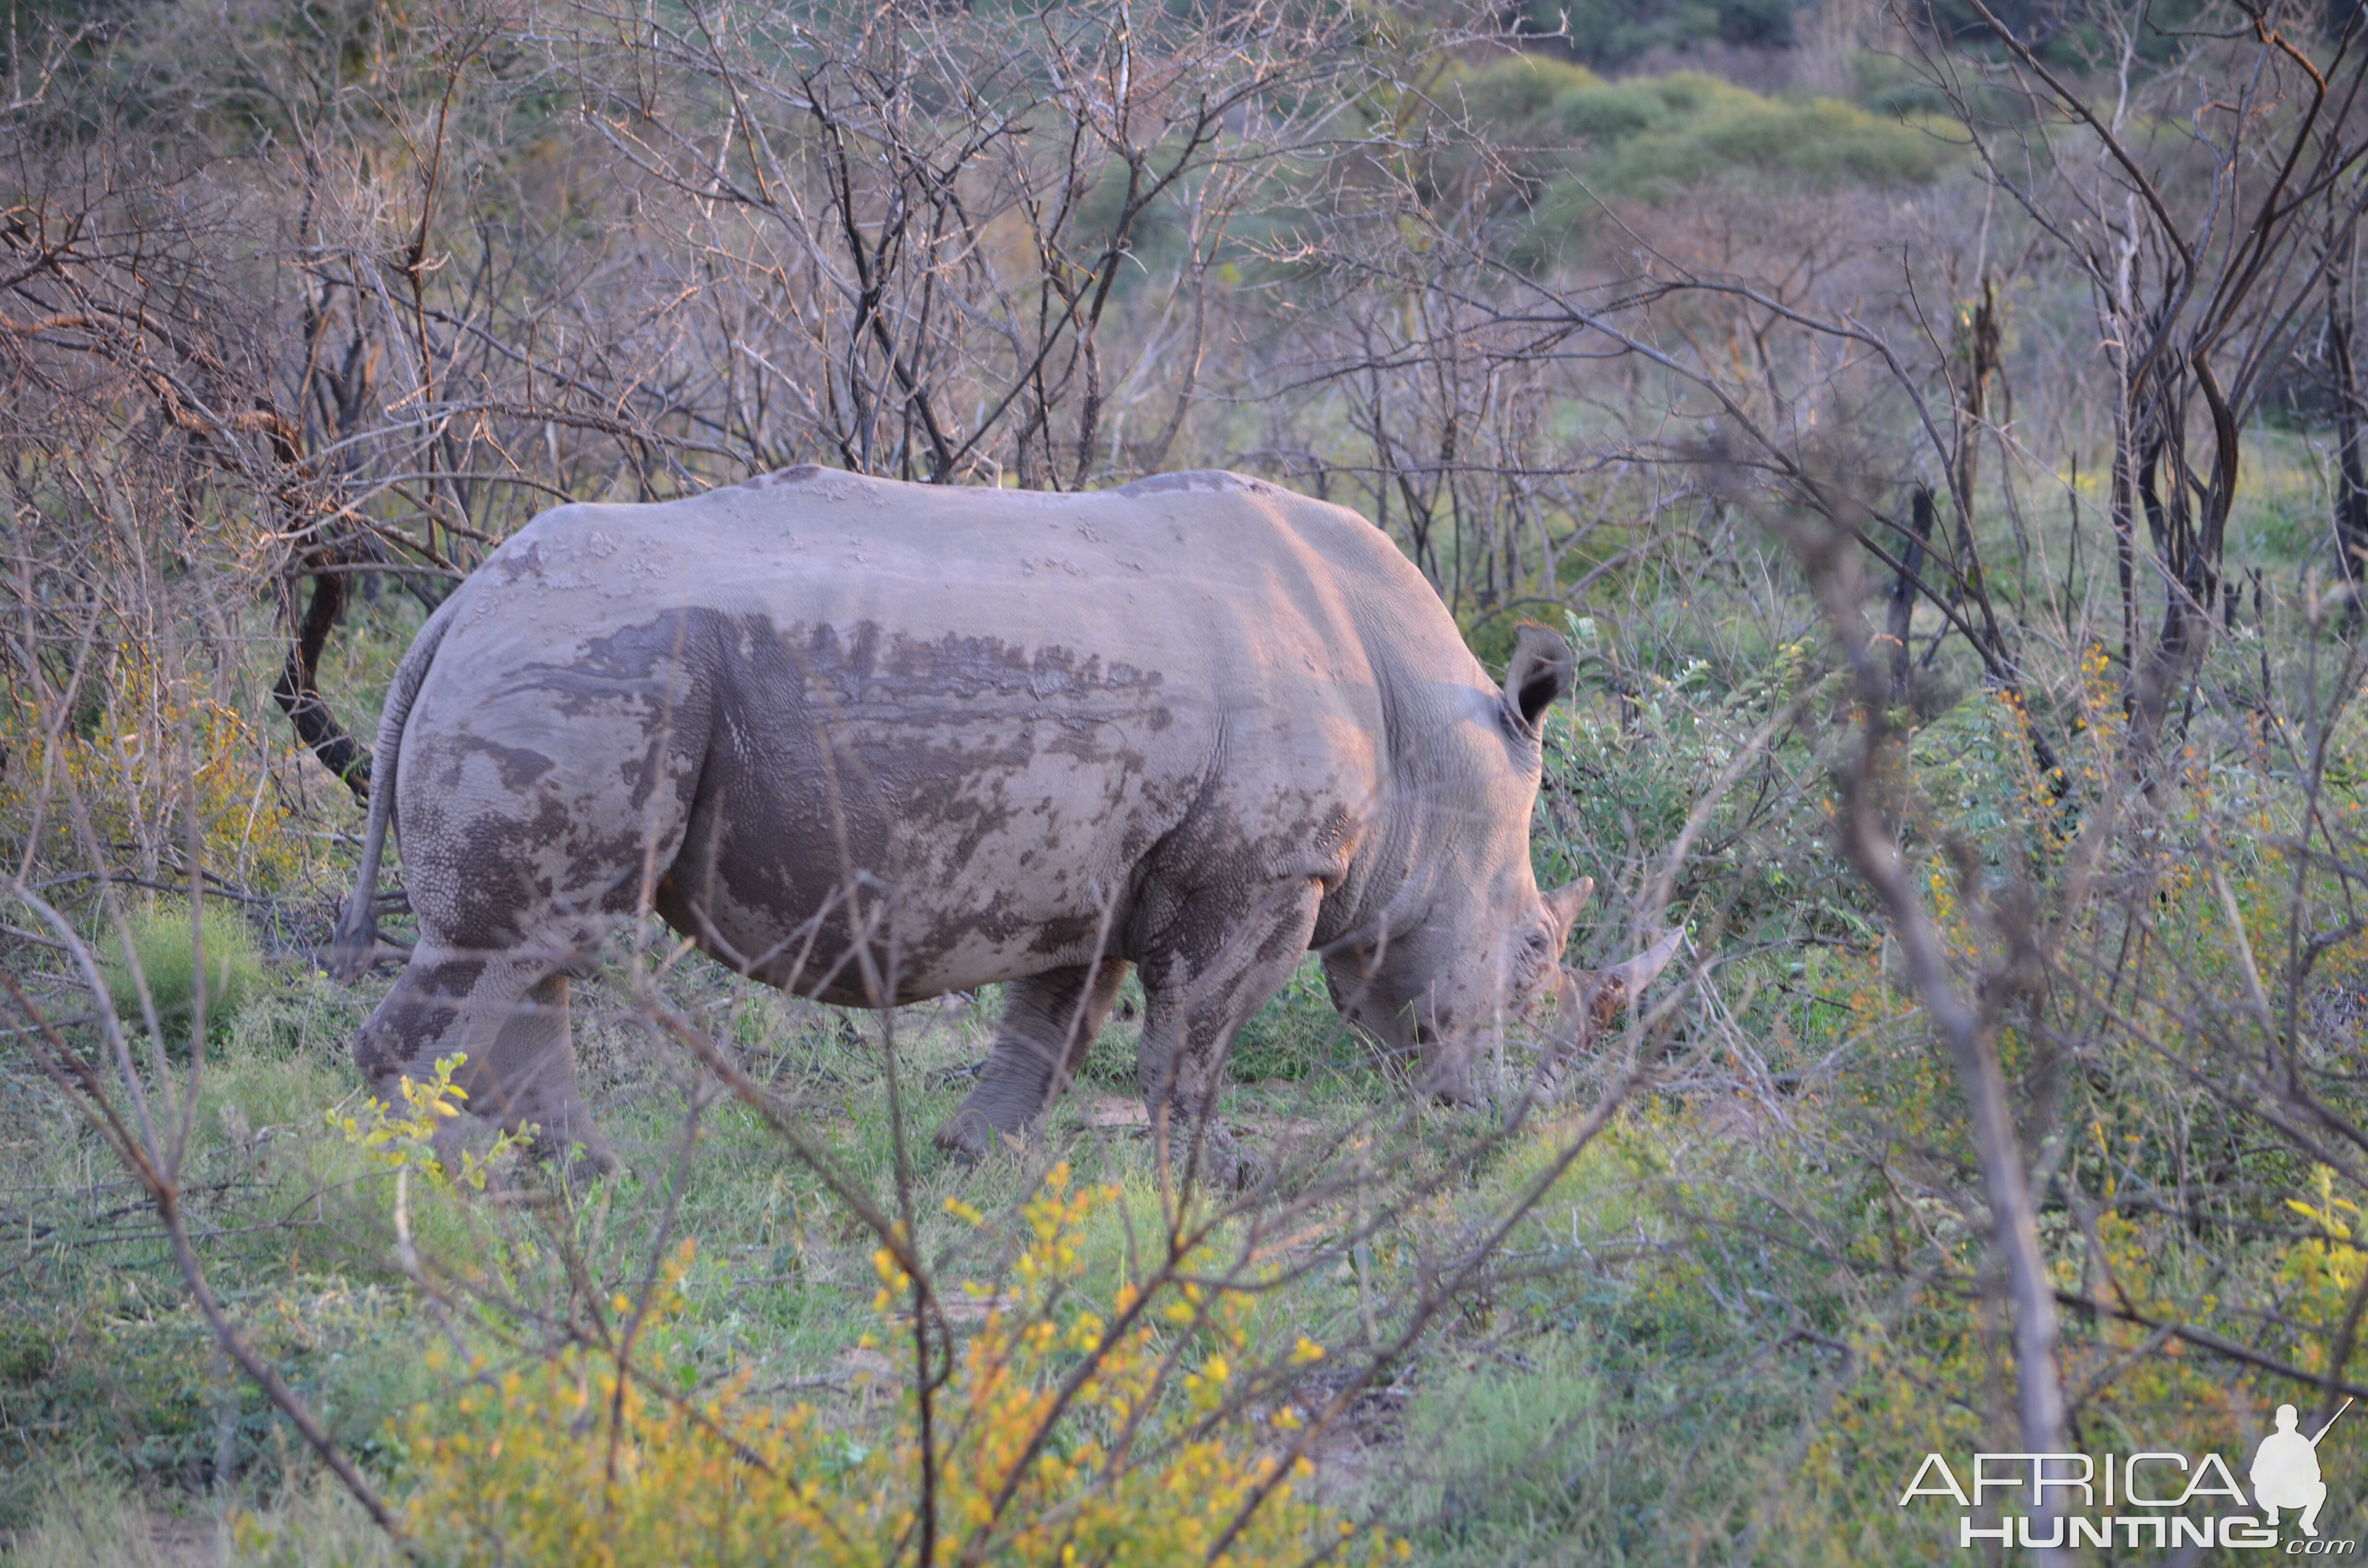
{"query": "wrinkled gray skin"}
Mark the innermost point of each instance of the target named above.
(874, 742)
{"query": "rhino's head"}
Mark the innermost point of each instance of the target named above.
(1468, 942)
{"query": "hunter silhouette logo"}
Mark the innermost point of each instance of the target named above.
(2285, 1470)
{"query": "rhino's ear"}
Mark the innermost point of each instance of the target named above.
(1538, 676)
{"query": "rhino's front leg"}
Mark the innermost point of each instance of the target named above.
(1049, 1022)
(1227, 952)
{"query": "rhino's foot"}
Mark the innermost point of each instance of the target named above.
(466, 1143)
(997, 1109)
(966, 1135)
(1238, 1169)
(579, 1163)
(576, 1156)
(1219, 1163)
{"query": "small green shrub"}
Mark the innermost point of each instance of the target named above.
(168, 962)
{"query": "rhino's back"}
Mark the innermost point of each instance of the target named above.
(1150, 571)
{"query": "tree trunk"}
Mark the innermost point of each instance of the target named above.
(2352, 498)
(299, 693)
(1902, 588)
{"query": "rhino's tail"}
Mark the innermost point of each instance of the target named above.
(356, 943)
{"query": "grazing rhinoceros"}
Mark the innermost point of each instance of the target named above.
(874, 742)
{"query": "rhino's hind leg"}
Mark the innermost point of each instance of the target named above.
(1228, 954)
(1049, 1022)
(507, 1014)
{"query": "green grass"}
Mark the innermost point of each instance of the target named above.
(157, 950)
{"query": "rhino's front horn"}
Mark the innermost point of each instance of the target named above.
(1609, 991)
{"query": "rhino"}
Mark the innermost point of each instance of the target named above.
(874, 743)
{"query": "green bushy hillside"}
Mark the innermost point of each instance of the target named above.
(1574, 141)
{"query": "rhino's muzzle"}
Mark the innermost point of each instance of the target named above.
(1446, 1076)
